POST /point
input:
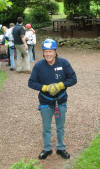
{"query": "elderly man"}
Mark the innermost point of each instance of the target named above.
(52, 76)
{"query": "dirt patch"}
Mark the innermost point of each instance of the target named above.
(20, 120)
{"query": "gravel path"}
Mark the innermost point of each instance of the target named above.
(20, 121)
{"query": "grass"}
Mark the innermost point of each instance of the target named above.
(22, 165)
(3, 77)
(90, 158)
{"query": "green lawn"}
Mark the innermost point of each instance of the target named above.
(90, 158)
(3, 77)
(61, 8)
(61, 14)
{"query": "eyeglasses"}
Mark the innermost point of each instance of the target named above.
(48, 51)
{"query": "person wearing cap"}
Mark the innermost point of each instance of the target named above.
(21, 47)
(51, 76)
(30, 37)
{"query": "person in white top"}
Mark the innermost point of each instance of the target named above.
(30, 37)
(9, 37)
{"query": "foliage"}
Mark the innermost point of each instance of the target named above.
(38, 17)
(90, 158)
(4, 4)
(22, 165)
(95, 8)
(11, 14)
(3, 77)
(40, 9)
(41, 25)
(52, 7)
(61, 8)
(59, 0)
(76, 6)
(79, 7)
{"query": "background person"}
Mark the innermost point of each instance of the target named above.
(52, 76)
(21, 47)
(30, 37)
(12, 50)
(5, 43)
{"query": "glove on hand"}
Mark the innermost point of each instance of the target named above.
(55, 88)
(61, 85)
(44, 88)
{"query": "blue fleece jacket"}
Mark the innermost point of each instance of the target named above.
(45, 74)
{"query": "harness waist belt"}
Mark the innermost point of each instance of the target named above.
(53, 99)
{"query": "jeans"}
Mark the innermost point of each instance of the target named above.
(30, 52)
(47, 113)
(12, 61)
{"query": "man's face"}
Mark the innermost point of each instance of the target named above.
(49, 56)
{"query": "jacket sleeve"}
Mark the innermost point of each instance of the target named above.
(33, 81)
(71, 78)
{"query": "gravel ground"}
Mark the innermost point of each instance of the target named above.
(20, 121)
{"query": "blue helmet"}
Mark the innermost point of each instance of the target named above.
(49, 44)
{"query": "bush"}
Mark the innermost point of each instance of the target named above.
(41, 25)
(22, 165)
(11, 15)
(52, 7)
(38, 18)
(38, 15)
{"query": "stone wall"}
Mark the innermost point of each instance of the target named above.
(80, 42)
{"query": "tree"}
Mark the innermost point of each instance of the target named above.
(79, 7)
(18, 7)
(11, 14)
(4, 4)
(97, 8)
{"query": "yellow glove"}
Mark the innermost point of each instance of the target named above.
(61, 85)
(53, 89)
(44, 88)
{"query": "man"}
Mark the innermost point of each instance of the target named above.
(51, 76)
(9, 37)
(21, 46)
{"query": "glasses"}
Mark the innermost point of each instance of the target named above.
(48, 51)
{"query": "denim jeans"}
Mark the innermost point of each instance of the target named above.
(30, 52)
(47, 113)
(12, 61)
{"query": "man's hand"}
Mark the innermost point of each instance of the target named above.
(26, 47)
(24, 42)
